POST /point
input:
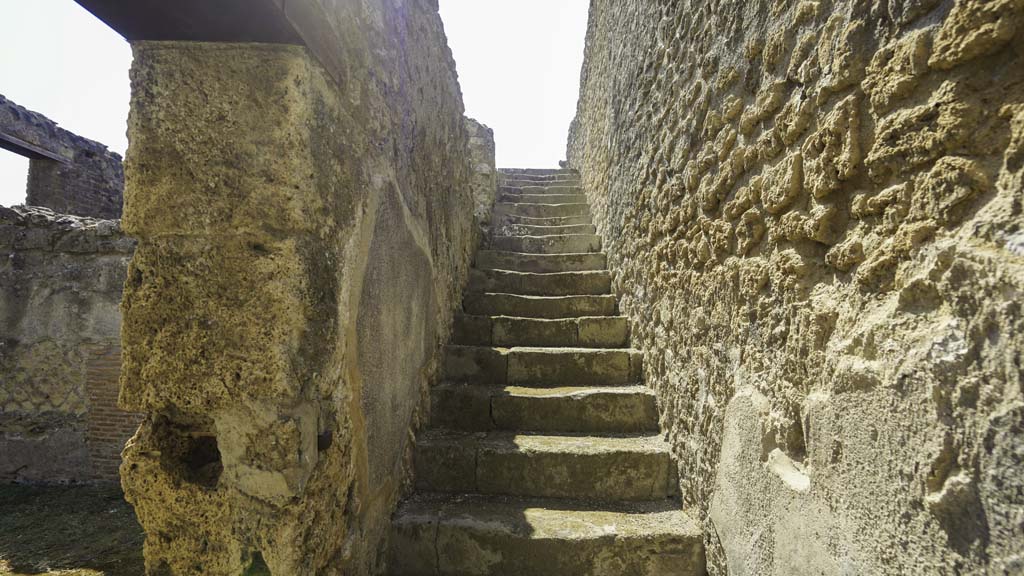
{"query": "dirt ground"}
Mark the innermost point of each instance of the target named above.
(68, 531)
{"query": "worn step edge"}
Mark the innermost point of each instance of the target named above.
(581, 331)
(538, 171)
(540, 284)
(540, 263)
(507, 218)
(526, 196)
(535, 230)
(558, 244)
(543, 366)
(488, 536)
(599, 467)
(523, 306)
(586, 410)
(539, 210)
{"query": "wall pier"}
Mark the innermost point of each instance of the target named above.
(301, 250)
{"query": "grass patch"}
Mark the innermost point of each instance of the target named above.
(68, 531)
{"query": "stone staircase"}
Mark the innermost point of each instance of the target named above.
(543, 455)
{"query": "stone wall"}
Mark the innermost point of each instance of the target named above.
(303, 239)
(60, 284)
(813, 211)
(485, 173)
(67, 173)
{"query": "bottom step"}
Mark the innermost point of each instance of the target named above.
(479, 536)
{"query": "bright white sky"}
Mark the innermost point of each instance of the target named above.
(518, 61)
(519, 66)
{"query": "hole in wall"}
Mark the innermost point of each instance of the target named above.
(257, 566)
(202, 461)
(13, 178)
(796, 443)
(784, 450)
(324, 440)
(259, 248)
(189, 452)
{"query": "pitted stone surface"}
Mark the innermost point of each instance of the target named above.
(811, 210)
(305, 230)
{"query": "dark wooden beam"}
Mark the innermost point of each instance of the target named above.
(27, 149)
(299, 22)
(197, 20)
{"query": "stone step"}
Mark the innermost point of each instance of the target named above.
(540, 263)
(543, 366)
(585, 410)
(530, 283)
(615, 468)
(530, 230)
(561, 244)
(538, 180)
(519, 182)
(496, 304)
(542, 198)
(506, 219)
(541, 210)
(444, 535)
(541, 188)
(539, 171)
(584, 332)
(516, 182)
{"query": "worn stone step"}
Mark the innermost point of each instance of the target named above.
(540, 187)
(542, 210)
(542, 366)
(496, 304)
(562, 173)
(615, 468)
(539, 171)
(530, 283)
(561, 244)
(530, 230)
(519, 182)
(583, 332)
(446, 535)
(541, 263)
(541, 198)
(506, 183)
(507, 219)
(586, 410)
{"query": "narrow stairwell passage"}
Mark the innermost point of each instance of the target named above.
(543, 456)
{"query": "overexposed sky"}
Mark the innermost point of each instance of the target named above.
(518, 62)
(519, 67)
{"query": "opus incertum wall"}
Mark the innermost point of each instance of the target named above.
(814, 213)
(61, 279)
(62, 266)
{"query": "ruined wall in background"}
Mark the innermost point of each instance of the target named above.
(304, 234)
(485, 173)
(813, 212)
(60, 284)
(67, 173)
